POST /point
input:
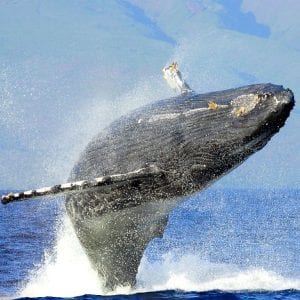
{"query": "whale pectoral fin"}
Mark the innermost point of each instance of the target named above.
(150, 172)
(115, 242)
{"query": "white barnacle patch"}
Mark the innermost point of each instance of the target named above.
(14, 196)
(79, 183)
(117, 176)
(243, 104)
(99, 179)
(44, 190)
(161, 117)
(277, 101)
(67, 185)
(28, 193)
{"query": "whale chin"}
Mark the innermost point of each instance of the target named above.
(182, 145)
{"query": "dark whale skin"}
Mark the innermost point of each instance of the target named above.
(191, 144)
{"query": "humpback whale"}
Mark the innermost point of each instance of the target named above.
(133, 173)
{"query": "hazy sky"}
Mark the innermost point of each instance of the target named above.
(68, 68)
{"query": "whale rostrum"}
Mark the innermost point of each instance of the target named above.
(140, 167)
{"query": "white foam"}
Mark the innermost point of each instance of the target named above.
(193, 273)
(68, 273)
(65, 273)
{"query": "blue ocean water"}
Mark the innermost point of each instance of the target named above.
(220, 244)
(215, 295)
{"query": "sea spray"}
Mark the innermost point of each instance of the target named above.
(65, 271)
(191, 272)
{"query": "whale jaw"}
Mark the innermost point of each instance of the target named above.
(192, 139)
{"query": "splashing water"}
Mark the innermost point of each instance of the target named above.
(192, 273)
(66, 272)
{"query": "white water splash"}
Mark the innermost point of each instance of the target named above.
(192, 273)
(68, 272)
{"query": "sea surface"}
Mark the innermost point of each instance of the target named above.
(220, 244)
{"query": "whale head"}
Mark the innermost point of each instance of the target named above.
(241, 122)
(196, 138)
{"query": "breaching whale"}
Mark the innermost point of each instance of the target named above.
(134, 172)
